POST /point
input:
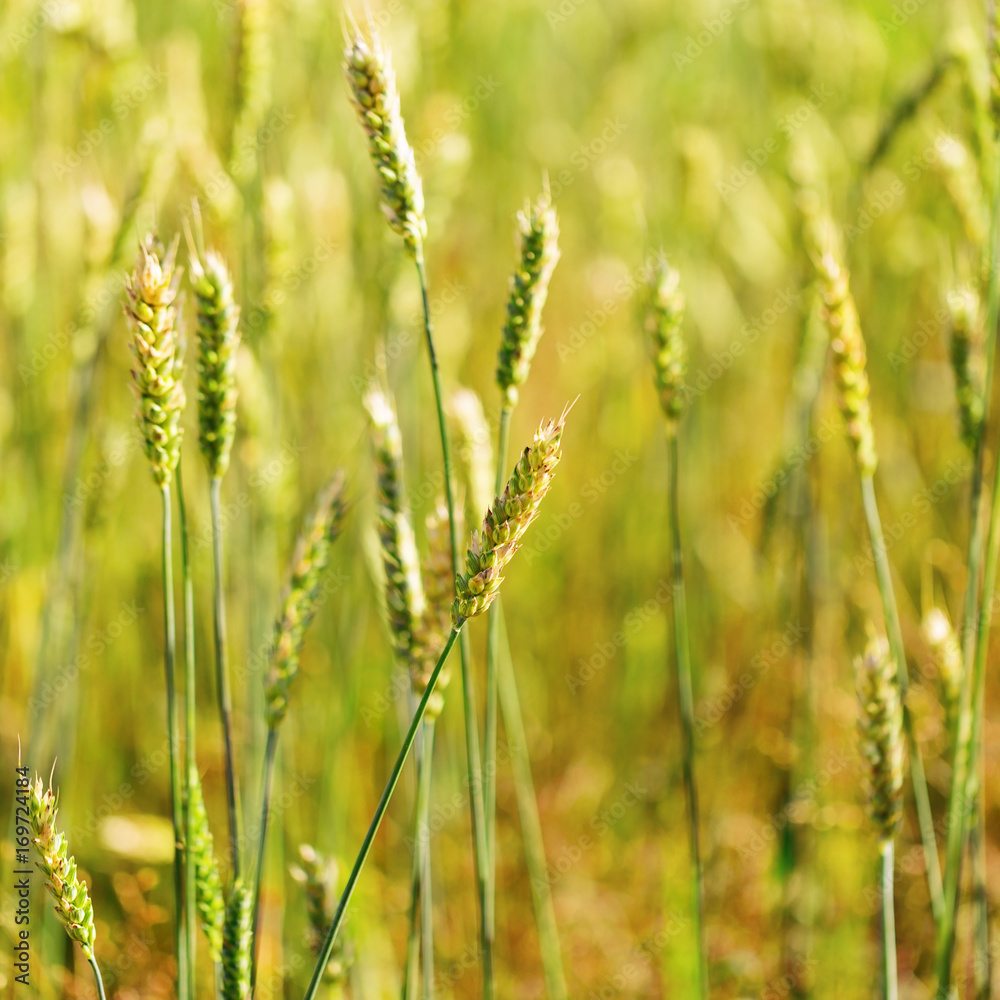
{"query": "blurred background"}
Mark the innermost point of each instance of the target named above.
(685, 126)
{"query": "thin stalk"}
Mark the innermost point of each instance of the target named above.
(925, 818)
(265, 811)
(222, 679)
(972, 627)
(685, 702)
(531, 831)
(982, 964)
(101, 995)
(492, 652)
(411, 971)
(191, 760)
(380, 811)
(888, 923)
(473, 758)
(424, 844)
(174, 738)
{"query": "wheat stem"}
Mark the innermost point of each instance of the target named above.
(173, 737)
(191, 764)
(98, 979)
(883, 573)
(421, 871)
(888, 922)
(473, 758)
(973, 629)
(685, 703)
(531, 828)
(492, 651)
(424, 846)
(380, 811)
(270, 753)
(222, 678)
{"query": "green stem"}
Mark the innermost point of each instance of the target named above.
(473, 759)
(982, 964)
(531, 831)
(492, 651)
(685, 702)
(411, 971)
(424, 845)
(191, 760)
(265, 811)
(883, 573)
(888, 923)
(222, 679)
(973, 626)
(174, 738)
(380, 811)
(101, 995)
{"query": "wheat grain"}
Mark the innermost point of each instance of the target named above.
(492, 547)
(312, 552)
(538, 232)
(157, 346)
(208, 885)
(664, 315)
(375, 97)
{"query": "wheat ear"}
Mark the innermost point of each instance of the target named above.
(72, 901)
(966, 344)
(373, 92)
(847, 347)
(237, 933)
(512, 514)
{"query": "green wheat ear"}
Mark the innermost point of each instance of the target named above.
(880, 727)
(966, 347)
(301, 599)
(72, 902)
(158, 350)
(218, 341)
(439, 592)
(404, 594)
(237, 936)
(208, 885)
(538, 231)
(376, 99)
(847, 343)
(664, 315)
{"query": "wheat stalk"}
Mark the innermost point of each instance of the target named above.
(488, 552)
(157, 346)
(664, 316)
(299, 606)
(847, 347)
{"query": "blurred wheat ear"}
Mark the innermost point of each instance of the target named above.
(847, 347)
(880, 726)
